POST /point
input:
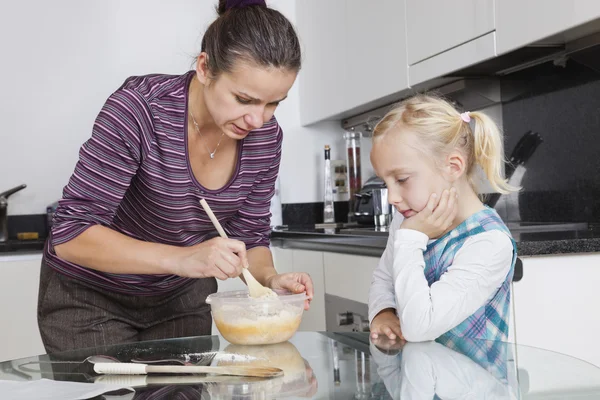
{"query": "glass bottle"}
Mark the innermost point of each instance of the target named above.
(353, 161)
(328, 212)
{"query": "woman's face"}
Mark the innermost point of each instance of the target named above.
(246, 98)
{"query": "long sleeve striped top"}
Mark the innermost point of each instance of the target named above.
(134, 176)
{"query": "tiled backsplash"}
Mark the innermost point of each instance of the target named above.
(562, 178)
(311, 213)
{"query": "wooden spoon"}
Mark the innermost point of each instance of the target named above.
(254, 287)
(143, 369)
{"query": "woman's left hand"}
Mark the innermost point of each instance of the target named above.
(295, 282)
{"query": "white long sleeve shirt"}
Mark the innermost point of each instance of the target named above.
(479, 269)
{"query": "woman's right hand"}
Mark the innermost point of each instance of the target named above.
(220, 258)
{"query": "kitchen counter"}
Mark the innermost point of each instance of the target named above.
(367, 241)
(14, 246)
(326, 366)
(531, 240)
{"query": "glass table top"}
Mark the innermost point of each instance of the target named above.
(330, 366)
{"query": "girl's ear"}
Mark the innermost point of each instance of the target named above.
(455, 166)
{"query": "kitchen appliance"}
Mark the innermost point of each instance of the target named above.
(4, 211)
(371, 205)
(345, 315)
(382, 210)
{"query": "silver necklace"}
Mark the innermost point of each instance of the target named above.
(211, 153)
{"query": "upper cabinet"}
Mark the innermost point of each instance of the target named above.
(445, 36)
(522, 22)
(321, 26)
(433, 26)
(376, 52)
(359, 54)
(354, 54)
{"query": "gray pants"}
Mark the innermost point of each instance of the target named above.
(74, 315)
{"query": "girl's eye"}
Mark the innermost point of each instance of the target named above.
(403, 180)
(242, 101)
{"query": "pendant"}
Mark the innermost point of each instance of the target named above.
(212, 155)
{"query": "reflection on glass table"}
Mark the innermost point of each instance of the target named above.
(328, 366)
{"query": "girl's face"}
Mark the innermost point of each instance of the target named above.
(246, 98)
(411, 176)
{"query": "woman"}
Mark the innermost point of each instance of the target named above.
(132, 255)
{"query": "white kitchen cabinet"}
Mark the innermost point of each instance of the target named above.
(311, 262)
(322, 82)
(433, 26)
(446, 36)
(473, 52)
(19, 281)
(349, 276)
(522, 22)
(376, 51)
(283, 260)
(556, 305)
(354, 54)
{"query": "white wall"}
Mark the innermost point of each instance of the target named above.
(301, 174)
(62, 59)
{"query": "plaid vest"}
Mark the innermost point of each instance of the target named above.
(490, 321)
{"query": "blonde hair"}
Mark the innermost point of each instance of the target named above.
(441, 128)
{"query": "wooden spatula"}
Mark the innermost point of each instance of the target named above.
(254, 287)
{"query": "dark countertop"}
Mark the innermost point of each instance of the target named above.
(15, 246)
(368, 242)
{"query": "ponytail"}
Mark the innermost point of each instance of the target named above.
(488, 152)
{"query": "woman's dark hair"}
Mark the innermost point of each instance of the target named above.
(249, 31)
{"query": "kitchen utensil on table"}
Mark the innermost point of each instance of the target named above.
(88, 360)
(184, 359)
(112, 368)
(254, 287)
(147, 380)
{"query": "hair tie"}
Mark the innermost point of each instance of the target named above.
(244, 3)
(466, 116)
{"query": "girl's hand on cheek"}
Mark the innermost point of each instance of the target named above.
(437, 216)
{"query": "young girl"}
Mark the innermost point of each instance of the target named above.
(449, 259)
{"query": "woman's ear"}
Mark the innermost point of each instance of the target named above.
(202, 72)
(455, 166)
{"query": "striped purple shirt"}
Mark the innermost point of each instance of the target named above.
(134, 176)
